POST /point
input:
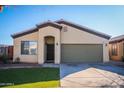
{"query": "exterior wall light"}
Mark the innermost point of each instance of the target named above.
(57, 43)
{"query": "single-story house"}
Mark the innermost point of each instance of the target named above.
(116, 48)
(61, 42)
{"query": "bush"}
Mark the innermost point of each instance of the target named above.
(17, 60)
(4, 59)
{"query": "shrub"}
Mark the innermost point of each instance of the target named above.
(4, 59)
(17, 60)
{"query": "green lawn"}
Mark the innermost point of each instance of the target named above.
(30, 77)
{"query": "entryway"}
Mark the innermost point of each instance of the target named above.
(49, 49)
(50, 52)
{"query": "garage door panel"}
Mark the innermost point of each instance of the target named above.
(82, 53)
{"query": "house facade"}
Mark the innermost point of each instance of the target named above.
(60, 42)
(116, 48)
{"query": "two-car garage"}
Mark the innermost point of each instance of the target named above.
(81, 53)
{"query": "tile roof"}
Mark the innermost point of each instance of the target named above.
(57, 24)
(117, 38)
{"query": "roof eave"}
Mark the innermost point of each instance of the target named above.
(83, 28)
(115, 41)
(58, 26)
(24, 33)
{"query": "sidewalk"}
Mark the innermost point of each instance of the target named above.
(26, 65)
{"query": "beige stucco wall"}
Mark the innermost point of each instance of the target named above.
(119, 51)
(39, 37)
(76, 36)
(72, 36)
(17, 48)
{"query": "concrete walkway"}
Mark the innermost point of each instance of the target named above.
(91, 75)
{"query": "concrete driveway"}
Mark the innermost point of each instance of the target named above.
(91, 75)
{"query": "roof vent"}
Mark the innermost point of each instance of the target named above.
(65, 29)
(49, 20)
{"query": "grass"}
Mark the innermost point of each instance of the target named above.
(30, 77)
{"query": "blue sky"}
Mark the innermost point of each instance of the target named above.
(106, 19)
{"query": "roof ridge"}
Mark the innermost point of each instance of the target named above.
(120, 37)
(117, 36)
(57, 25)
(48, 21)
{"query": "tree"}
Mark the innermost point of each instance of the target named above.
(1, 8)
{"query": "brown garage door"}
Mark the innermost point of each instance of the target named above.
(81, 53)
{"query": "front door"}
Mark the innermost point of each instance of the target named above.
(50, 53)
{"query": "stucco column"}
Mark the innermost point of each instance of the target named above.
(57, 52)
(40, 49)
(105, 52)
(57, 49)
(48, 31)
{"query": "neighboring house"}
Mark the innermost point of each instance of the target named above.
(10, 52)
(3, 50)
(116, 48)
(61, 41)
(6, 50)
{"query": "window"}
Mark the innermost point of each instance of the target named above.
(114, 49)
(29, 47)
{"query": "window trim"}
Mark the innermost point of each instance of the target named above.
(28, 47)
